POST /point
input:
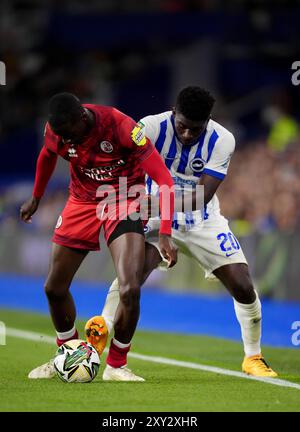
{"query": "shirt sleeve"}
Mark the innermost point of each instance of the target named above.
(46, 162)
(50, 139)
(151, 125)
(218, 163)
(131, 135)
(157, 170)
(44, 168)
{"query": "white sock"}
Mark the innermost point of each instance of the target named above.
(120, 344)
(66, 335)
(111, 304)
(249, 317)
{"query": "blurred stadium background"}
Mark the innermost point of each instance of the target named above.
(136, 56)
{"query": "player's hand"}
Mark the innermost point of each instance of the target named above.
(168, 249)
(28, 209)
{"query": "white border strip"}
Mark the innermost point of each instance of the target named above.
(162, 360)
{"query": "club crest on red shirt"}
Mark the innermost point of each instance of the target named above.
(106, 146)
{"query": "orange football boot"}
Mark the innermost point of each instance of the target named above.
(96, 333)
(257, 366)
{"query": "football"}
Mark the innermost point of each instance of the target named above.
(76, 361)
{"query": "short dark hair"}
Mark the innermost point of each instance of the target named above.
(195, 103)
(64, 108)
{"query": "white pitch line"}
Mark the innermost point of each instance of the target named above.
(213, 369)
(162, 360)
(22, 334)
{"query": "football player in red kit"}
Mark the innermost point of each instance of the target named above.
(105, 148)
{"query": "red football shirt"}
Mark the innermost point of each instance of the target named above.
(113, 149)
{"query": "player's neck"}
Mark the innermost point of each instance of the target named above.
(90, 121)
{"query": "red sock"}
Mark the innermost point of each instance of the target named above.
(60, 342)
(117, 357)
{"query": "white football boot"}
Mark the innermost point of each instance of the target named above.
(45, 371)
(120, 374)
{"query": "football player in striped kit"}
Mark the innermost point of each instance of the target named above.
(197, 151)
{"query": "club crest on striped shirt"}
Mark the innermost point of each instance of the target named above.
(196, 164)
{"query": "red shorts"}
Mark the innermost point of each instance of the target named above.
(80, 223)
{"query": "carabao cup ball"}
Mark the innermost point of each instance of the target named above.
(76, 361)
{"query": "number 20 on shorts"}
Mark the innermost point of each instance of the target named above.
(229, 243)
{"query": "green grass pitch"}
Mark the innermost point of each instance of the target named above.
(167, 388)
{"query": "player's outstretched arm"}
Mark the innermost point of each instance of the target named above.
(45, 166)
(156, 169)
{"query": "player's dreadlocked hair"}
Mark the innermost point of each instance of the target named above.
(64, 108)
(195, 103)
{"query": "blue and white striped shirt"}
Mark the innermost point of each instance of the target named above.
(209, 155)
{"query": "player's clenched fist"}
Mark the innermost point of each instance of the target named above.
(28, 209)
(168, 249)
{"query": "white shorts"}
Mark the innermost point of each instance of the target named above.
(212, 244)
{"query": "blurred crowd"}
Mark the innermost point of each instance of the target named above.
(262, 190)
(37, 68)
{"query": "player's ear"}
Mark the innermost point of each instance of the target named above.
(83, 114)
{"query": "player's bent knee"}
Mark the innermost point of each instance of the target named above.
(243, 291)
(130, 294)
(54, 291)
